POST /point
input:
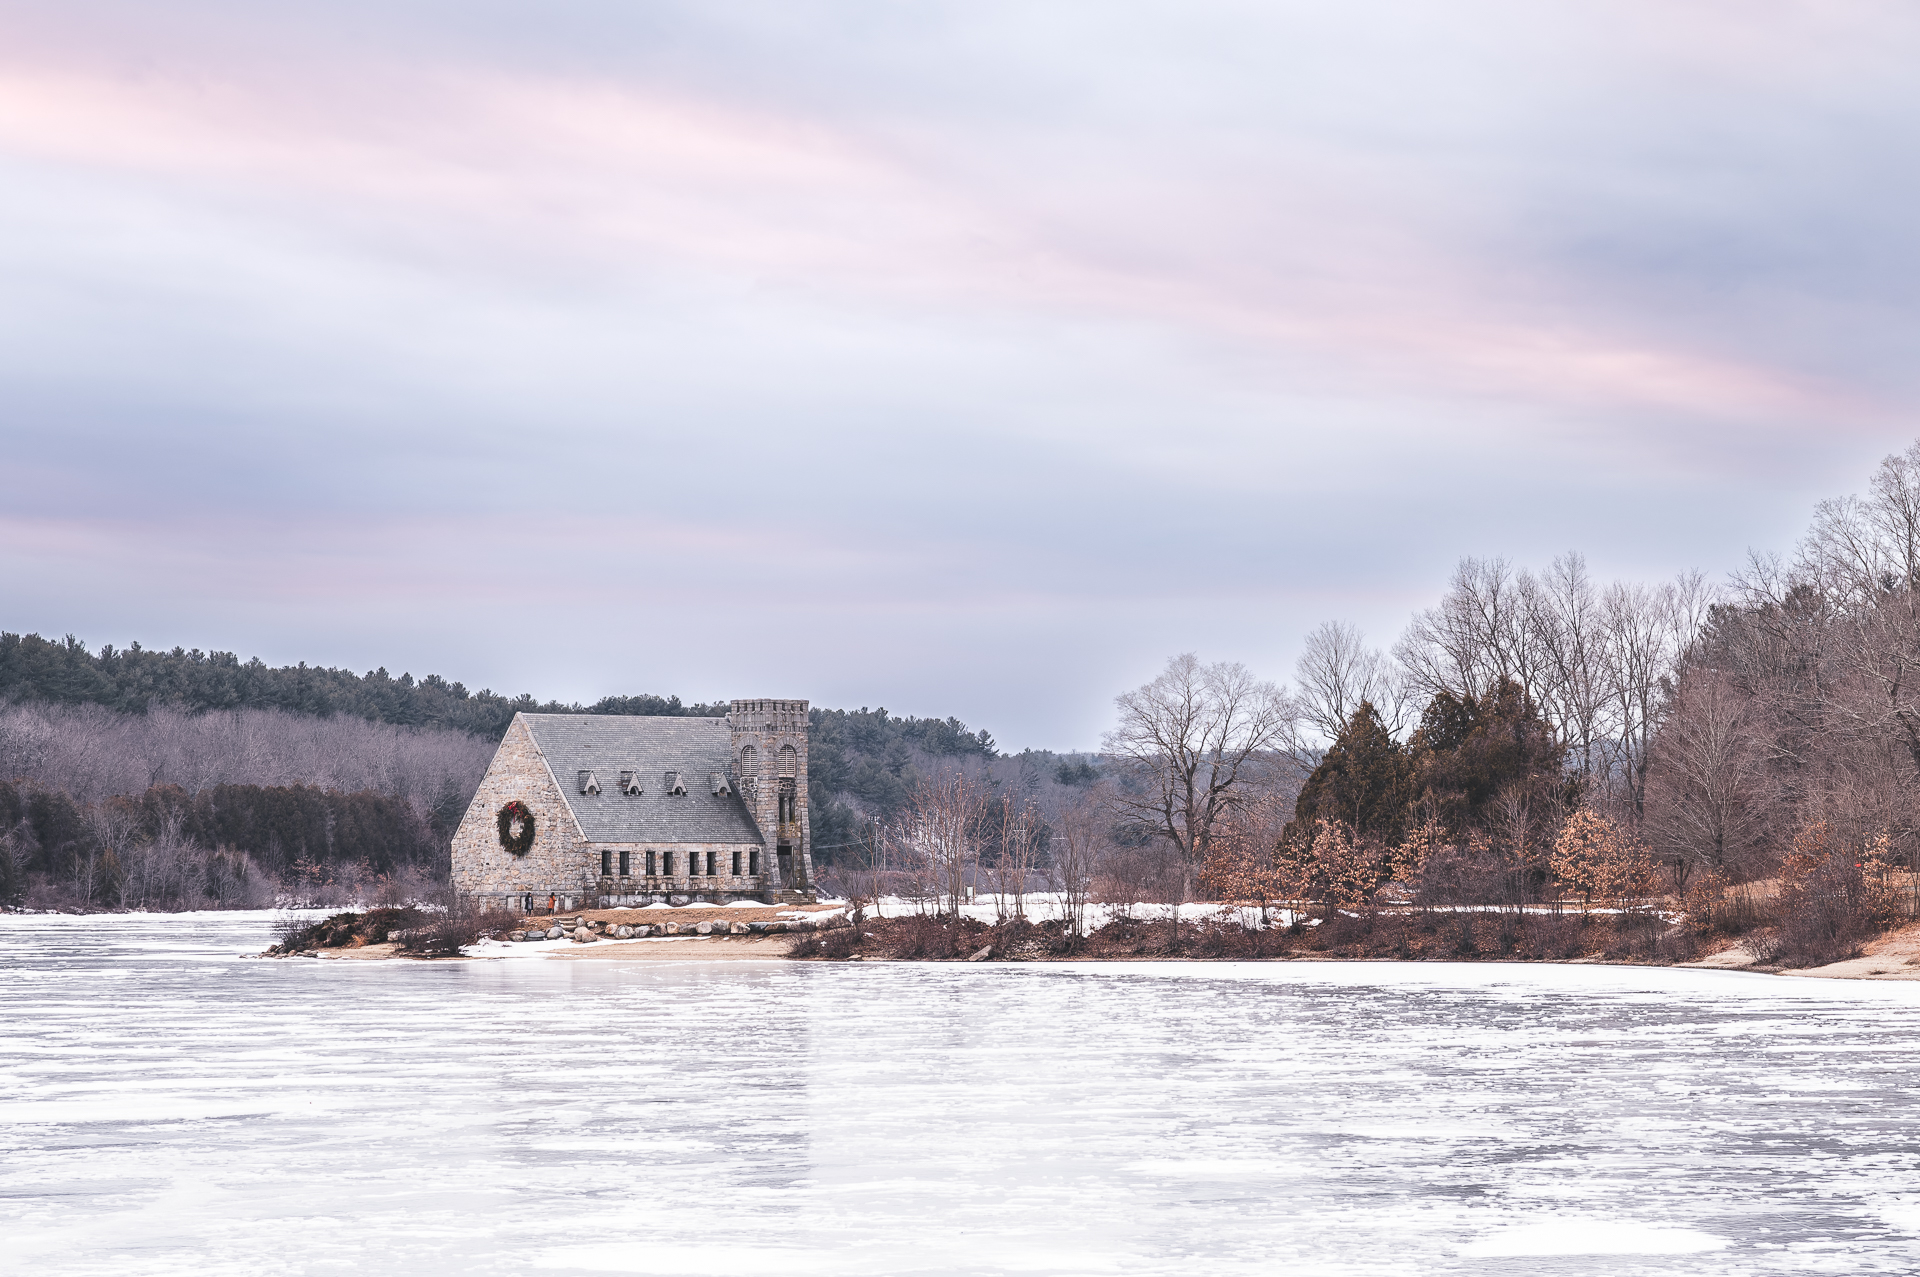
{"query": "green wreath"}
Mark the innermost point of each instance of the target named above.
(521, 843)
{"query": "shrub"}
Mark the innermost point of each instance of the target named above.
(838, 944)
(923, 937)
(1763, 945)
(446, 936)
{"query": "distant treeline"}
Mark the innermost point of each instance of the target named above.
(131, 679)
(226, 844)
(308, 766)
(860, 764)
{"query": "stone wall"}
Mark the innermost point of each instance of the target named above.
(768, 726)
(559, 862)
(640, 888)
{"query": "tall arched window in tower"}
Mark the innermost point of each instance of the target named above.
(749, 765)
(787, 767)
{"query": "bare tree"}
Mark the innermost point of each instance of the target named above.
(1566, 627)
(17, 848)
(1337, 671)
(1863, 557)
(1079, 826)
(1639, 626)
(1708, 768)
(1473, 639)
(1188, 743)
(1019, 821)
(1597, 660)
(942, 827)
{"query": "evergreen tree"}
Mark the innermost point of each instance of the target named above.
(1361, 782)
(1467, 750)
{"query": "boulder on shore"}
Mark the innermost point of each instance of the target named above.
(583, 936)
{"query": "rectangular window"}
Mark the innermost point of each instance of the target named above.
(753, 863)
(666, 860)
(693, 864)
(713, 863)
(626, 864)
(650, 864)
(606, 863)
(736, 864)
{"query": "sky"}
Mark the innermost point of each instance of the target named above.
(967, 359)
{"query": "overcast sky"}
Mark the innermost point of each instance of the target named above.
(964, 358)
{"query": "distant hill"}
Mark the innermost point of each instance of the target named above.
(861, 761)
(130, 679)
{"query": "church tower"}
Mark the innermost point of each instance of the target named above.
(770, 768)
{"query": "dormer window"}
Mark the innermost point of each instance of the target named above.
(589, 784)
(675, 785)
(630, 783)
(720, 787)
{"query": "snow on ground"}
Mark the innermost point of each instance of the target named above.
(1046, 906)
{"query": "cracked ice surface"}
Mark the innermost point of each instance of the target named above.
(169, 1107)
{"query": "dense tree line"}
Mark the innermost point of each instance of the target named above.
(94, 753)
(98, 728)
(220, 846)
(64, 672)
(863, 765)
(1750, 752)
(1793, 723)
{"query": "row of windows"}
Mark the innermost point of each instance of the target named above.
(661, 863)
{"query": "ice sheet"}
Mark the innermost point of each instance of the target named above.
(168, 1106)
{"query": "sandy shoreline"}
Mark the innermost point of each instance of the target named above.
(1892, 957)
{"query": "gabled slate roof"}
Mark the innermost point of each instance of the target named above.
(607, 744)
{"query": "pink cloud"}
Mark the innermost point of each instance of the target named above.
(1313, 262)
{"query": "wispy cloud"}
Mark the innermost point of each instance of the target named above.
(975, 312)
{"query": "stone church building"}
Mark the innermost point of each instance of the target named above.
(602, 810)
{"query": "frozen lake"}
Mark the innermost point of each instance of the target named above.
(167, 1106)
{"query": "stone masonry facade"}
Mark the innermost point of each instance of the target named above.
(770, 766)
(764, 850)
(555, 863)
